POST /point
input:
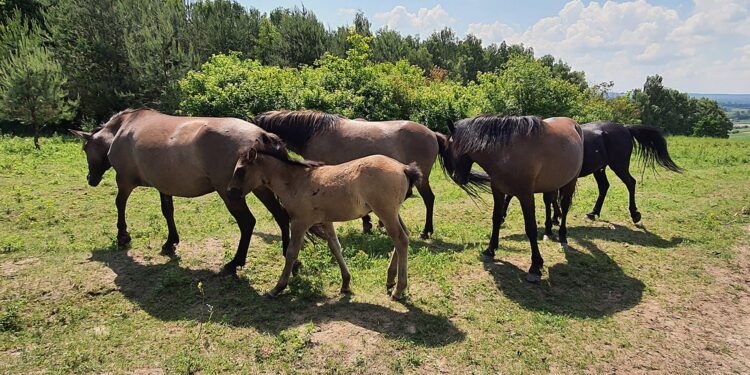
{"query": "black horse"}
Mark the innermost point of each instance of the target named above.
(609, 144)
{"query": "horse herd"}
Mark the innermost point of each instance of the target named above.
(361, 167)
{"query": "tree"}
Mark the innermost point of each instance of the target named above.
(711, 121)
(32, 83)
(664, 107)
(222, 26)
(303, 36)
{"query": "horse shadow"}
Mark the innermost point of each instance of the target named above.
(614, 233)
(169, 292)
(379, 245)
(589, 285)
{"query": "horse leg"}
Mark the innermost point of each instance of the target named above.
(268, 198)
(123, 192)
(565, 200)
(401, 244)
(295, 244)
(246, 221)
(504, 213)
(601, 181)
(549, 199)
(335, 246)
(529, 219)
(367, 224)
(167, 209)
(556, 210)
(428, 197)
(497, 220)
(624, 174)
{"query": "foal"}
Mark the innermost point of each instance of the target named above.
(316, 194)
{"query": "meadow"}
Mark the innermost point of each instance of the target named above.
(670, 295)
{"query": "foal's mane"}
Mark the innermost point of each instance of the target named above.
(296, 127)
(283, 156)
(484, 131)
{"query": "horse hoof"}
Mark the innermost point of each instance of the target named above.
(556, 222)
(396, 296)
(592, 216)
(564, 246)
(533, 278)
(636, 217)
(389, 288)
(229, 269)
(169, 249)
(123, 239)
(546, 238)
(486, 258)
(296, 267)
(424, 235)
(346, 291)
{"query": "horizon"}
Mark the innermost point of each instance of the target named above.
(700, 46)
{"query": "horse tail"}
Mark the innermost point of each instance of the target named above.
(442, 141)
(652, 147)
(413, 177)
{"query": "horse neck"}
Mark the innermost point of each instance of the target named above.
(283, 178)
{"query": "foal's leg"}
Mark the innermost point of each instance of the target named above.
(603, 184)
(429, 202)
(497, 220)
(246, 221)
(549, 199)
(556, 210)
(529, 219)
(295, 244)
(401, 242)
(123, 192)
(566, 199)
(167, 209)
(335, 246)
(623, 173)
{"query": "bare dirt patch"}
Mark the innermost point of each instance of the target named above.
(707, 334)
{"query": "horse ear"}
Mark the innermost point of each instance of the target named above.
(251, 155)
(451, 127)
(81, 134)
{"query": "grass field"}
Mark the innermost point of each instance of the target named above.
(743, 134)
(672, 295)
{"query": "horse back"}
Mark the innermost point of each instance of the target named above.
(404, 141)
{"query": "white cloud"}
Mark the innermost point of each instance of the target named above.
(424, 21)
(706, 51)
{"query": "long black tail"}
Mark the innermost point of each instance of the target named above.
(413, 176)
(651, 147)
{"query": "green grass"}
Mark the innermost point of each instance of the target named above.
(73, 302)
(742, 134)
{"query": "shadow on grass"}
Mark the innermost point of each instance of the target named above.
(589, 285)
(168, 292)
(613, 233)
(379, 244)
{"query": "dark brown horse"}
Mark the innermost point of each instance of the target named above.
(332, 139)
(609, 144)
(522, 156)
(179, 156)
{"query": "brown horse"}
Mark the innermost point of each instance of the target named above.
(332, 139)
(179, 156)
(316, 194)
(522, 156)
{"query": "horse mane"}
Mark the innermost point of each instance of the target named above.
(117, 118)
(283, 156)
(484, 131)
(296, 127)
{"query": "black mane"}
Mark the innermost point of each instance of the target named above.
(484, 131)
(283, 156)
(296, 127)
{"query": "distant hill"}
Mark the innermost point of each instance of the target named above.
(724, 100)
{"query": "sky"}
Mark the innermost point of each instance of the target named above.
(700, 46)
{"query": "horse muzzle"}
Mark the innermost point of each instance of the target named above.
(94, 181)
(234, 194)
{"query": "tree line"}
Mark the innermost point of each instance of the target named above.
(82, 60)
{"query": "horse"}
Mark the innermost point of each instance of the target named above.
(316, 194)
(333, 139)
(178, 156)
(609, 144)
(521, 156)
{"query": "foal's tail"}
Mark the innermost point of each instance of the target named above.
(652, 147)
(413, 177)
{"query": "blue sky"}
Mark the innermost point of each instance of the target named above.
(697, 45)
